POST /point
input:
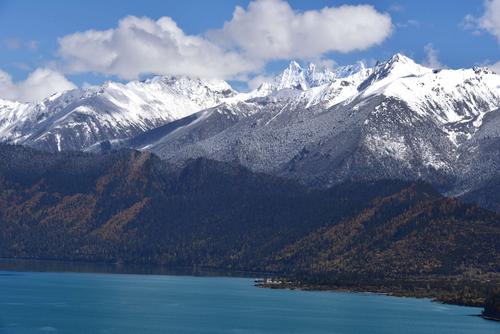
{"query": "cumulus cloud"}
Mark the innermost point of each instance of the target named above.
(431, 58)
(144, 46)
(266, 30)
(39, 84)
(271, 29)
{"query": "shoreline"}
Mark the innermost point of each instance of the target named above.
(413, 288)
(118, 268)
(435, 295)
(485, 317)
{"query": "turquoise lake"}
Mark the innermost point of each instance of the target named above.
(49, 302)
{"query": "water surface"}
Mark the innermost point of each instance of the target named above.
(49, 302)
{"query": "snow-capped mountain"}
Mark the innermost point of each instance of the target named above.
(451, 97)
(284, 102)
(398, 119)
(78, 119)
(296, 77)
(81, 119)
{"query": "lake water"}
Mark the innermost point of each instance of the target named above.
(49, 302)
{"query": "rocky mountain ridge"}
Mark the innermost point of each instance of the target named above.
(396, 120)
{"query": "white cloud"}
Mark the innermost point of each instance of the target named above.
(470, 22)
(431, 58)
(267, 30)
(490, 21)
(38, 85)
(271, 29)
(144, 46)
(495, 67)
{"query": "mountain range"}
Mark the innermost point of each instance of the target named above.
(355, 175)
(395, 120)
(77, 119)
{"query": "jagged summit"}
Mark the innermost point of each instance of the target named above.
(303, 78)
(400, 58)
(398, 66)
(310, 76)
(293, 77)
(399, 62)
(294, 66)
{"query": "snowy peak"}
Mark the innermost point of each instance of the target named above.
(184, 94)
(311, 76)
(297, 77)
(399, 65)
(396, 67)
(313, 84)
(181, 84)
(6, 105)
(318, 76)
(293, 77)
(455, 100)
(400, 58)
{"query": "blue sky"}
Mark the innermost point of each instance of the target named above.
(30, 30)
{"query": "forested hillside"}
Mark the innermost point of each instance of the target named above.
(128, 206)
